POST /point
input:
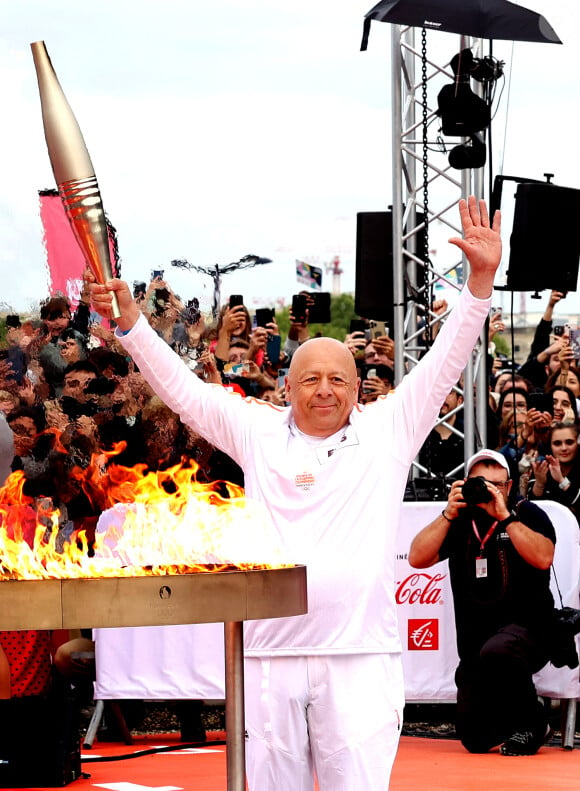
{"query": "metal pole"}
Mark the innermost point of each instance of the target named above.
(235, 720)
(480, 374)
(468, 394)
(397, 214)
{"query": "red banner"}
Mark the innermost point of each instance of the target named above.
(65, 260)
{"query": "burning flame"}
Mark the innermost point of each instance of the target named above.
(153, 523)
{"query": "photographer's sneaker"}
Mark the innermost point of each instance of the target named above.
(525, 742)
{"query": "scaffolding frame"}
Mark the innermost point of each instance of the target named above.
(445, 187)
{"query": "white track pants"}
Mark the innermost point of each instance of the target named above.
(337, 716)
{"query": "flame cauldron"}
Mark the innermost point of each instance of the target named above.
(229, 596)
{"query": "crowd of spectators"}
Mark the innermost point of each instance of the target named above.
(69, 394)
(537, 415)
(532, 416)
(70, 397)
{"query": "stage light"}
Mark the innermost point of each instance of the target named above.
(469, 155)
(463, 113)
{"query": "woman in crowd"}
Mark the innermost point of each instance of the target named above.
(566, 376)
(234, 325)
(564, 407)
(557, 475)
(511, 400)
(506, 379)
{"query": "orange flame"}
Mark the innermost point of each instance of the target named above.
(154, 523)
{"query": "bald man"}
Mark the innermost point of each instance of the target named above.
(324, 691)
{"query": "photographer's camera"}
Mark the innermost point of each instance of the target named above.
(475, 491)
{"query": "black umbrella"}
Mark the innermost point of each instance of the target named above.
(493, 19)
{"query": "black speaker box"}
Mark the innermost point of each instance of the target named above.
(544, 243)
(39, 741)
(373, 292)
(373, 295)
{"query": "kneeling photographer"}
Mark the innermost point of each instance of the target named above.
(499, 564)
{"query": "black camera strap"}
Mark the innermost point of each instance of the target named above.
(557, 586)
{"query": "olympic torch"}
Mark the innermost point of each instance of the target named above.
(73, 170)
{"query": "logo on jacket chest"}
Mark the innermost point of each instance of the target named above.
(304, 481)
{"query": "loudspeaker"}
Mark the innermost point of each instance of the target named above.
(373, 294)
(40, 740)
(373, 291)
(544, 243)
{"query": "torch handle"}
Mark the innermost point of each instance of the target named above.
(115, 305)
(84, 208)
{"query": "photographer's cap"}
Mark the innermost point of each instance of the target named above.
(487, 455)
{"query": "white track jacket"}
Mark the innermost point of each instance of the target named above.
(334, 504)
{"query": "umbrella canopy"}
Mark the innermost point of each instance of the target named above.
(493, 19)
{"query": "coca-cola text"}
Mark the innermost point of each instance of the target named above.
(420, 588)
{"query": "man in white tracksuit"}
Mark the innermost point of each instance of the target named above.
(324, 691)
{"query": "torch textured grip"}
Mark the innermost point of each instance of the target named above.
(84, 208)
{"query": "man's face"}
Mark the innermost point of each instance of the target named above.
(322, 386)
(450, 403)
(69, 350)
(374, 357)
(56, 323)
(237, 354)
(74, 384)
(495, 475)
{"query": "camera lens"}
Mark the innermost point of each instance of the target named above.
(475, 491)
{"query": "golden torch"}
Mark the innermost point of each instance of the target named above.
(73, 170)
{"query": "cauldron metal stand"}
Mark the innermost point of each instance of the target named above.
(230, 597)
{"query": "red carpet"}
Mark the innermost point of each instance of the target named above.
(202, 769)
(421, 765)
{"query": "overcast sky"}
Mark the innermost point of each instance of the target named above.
(222, 129)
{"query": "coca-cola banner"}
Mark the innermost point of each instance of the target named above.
(425, 612)
(426, 615)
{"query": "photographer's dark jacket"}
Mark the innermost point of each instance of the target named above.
(513, 592)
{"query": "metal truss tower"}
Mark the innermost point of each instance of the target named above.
(425, 187)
